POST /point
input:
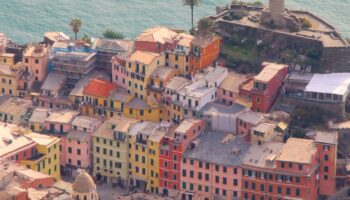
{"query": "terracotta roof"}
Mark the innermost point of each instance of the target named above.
(204, 41)
(157, 34)
(270, 70)
(185, 39)
(233, 82)
(99, 88)
(143, 57)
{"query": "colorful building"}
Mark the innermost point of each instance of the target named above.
(47, 154)
(36, 59)
(172, 147)
(59, 123)
(15, 110)
(277, 170)
(144, 141)
(156, 40)
(205, 50)
(211, 167)
(111, 151)
(267, 86)
(145, 110)
(228, 90)
(37, 119)
(79, 142)
(138, 68)
(159, 78)
(327, 145)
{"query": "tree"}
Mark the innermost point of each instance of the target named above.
(109, 33)
(191, 4)
(205, 24)
(76, 25)
(86, 39)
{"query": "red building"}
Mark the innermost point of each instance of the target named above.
(267, 85)
(327, 144)
(205, 50)
(172, 147)
(281, 171)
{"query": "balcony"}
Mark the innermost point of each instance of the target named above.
(141, 141)
(37, 157)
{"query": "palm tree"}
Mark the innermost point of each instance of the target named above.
(191, 4)
(76, 25)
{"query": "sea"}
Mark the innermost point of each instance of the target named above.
(26, 21)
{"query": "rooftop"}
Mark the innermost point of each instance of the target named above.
(297, 151)
(122, 124)
(39, 115)
(35, 51)
(185, 39)
(120, 94)
(185, 125)
(111, 45)
(85, 122)
(232, 82)
(326, 137)
(178, 83)
(215, 74)
(146, 128)
(251, 117)
(62, 116)
(335, 83)
(218, 148)
(269, 71)
(41, 139)
(204, 41)
(162, 72)
(99, 88)
(213, 108)
(157, 34)
(143, 57)
(79, 86)
(56, 36)
(138, 104)
(53, 82)
(259, 154)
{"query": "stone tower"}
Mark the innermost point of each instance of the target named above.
(84, 187)
(276, 8)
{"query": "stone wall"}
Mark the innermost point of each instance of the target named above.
(337, 109)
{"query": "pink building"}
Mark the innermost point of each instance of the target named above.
(79, 144)
(58, 123)
(228, 90)
(35, 59)
(211, 167)
(119, 73)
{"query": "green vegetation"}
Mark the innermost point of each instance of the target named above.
(305, 24)
(243, 56)
(191, 4)
(76, 25)
(109, 33)
(258, 4)
(205, 24)
(236, 15)
(255, 4)
(86, 39)
(310, 117)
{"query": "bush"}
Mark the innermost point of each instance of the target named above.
(109, 33)
(258, 4)
(305, 24)
(307, 116)
(313, 53)
(205, 24)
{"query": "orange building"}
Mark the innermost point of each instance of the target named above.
(205, 50)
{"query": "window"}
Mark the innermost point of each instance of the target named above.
(326, 168)
(297, 192)
(200, 175)
(282, 164)
(288, 191)
(325, 177)
(235, 182)
(279, 189)
(207, 177)
(36, 61)
(217, 168)
(326, 157)
(297, 179)
(234, 170)
(217, 179)
(300, 167)
(224, 180)
(262, 188)
(184, 173)
(78, 152)
(191, 174)
(245, 184)
(270, 188)
(69, 149)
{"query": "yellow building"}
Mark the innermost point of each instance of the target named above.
(13, 79)
(144, 139)
(179, 58)
(144, 110)
(103, 98)
(47, 159)
(140, 65)
(159, 78)
(111, 150)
